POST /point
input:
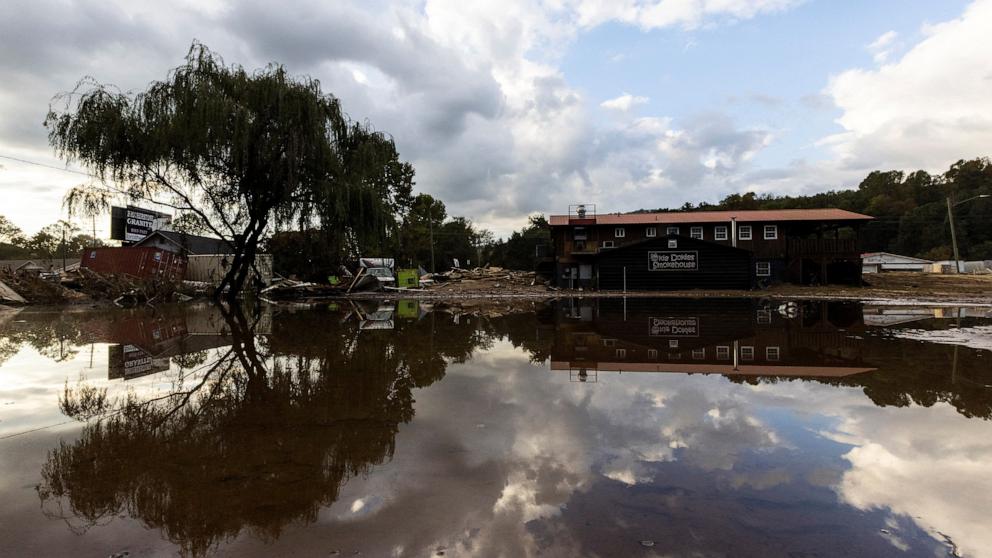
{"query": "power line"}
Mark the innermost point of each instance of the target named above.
(19, 160)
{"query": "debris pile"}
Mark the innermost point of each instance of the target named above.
(484, 280)
(83, 285)
(289, 289)
(124, 290)
(29, 288)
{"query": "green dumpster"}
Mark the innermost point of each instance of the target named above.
(407, 278)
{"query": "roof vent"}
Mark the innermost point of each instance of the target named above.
(582, 211)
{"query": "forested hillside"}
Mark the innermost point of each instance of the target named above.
(910, 210)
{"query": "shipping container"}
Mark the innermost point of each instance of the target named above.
(135, 261)
(212, 268)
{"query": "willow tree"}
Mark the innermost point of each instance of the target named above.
(236, 153)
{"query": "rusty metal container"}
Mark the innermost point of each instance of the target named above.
(136, 261)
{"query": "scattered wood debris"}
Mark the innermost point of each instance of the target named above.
(83, 285)
(485, 280)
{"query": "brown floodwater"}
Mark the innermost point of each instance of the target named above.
(579, 427)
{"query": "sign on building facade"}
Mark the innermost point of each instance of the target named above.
(681, 260)
(673, 327)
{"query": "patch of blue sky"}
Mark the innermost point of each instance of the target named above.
(769, 72)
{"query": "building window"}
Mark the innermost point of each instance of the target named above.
(747, 353)
(619, 232)
(764, 316)
(723, 352)
(651, 232)
(579, 233)
(696, 232)
(672, 243)
(621, 353)
(609, 342)
(653, 353)
(673, 343)
(698, 354)
(608, 244)
(672, 230)
(772, 353)
(720, 233)
(674, 356)
(744, 232)
(763, 269)
(771, 232)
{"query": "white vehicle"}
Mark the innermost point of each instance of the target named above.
(383, 274)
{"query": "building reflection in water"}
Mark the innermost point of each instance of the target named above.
(711, 336)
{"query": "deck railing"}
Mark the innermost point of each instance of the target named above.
(800, 247)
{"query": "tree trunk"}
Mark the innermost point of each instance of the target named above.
(247, 263)
(241, 246)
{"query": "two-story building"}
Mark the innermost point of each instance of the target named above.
(705, 249)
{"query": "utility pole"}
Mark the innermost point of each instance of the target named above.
(430, 225)
(954, 236)
(950, 220)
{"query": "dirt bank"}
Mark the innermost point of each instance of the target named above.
(896, 287)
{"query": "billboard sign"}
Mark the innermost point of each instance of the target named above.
(131, 223)
(673, 260)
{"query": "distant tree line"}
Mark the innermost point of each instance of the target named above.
(910, 209)
(417, 220)
(51, 242)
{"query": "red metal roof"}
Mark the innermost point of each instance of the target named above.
(725, 369)
(749, 216)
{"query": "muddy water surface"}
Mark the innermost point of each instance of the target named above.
(611, 427)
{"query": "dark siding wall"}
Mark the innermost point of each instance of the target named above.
(718, 320)
(720, 267)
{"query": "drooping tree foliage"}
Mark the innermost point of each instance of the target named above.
(236, 153)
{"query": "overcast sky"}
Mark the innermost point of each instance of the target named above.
(514, 107)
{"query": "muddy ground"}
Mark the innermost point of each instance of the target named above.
(900, 287)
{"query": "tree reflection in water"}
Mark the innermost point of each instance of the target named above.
(266, 436)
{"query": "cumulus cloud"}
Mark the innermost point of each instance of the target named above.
(654, 161)
(472, 92)
(475, 96)
(624, 102)
(925, 110)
